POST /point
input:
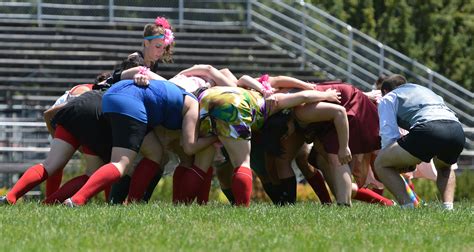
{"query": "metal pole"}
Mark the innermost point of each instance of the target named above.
(181, 13)
(430, 78)
(303, 36)
(111, 11)
(381, 58)
(249, 14)
(39, 13)
(349, 56)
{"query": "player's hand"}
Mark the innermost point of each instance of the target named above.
(141, 80)
(333, 95)
(344, 155)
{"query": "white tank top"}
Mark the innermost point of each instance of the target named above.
(189, 83)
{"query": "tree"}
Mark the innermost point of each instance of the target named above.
(437, 33)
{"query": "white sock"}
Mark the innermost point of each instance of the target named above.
(408, 206)
(448, 205)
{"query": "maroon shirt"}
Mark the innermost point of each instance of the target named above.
(361, 114)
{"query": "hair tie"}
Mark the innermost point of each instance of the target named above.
(263, 78)
(143, 70)
(266, 87)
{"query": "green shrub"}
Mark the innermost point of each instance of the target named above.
(428, 191)
(465, 185)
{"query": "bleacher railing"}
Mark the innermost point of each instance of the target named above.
(344, 52)
(302, 30)
(317, 38)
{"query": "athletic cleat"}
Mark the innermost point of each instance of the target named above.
(68, 202)
(4, 201)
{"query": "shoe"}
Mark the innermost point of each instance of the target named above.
(68, 202)
(4, 201)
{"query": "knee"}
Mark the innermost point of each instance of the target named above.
(51, 166)
(378, 164)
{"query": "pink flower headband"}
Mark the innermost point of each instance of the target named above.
(163, 22)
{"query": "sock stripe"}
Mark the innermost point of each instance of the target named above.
(197, 173)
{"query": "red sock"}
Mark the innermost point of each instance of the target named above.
(242, 185)
(54, 182)
(141, 178)
(378, 191)
(67, 190)
(31, 178)
(177, 182)
(191, 182)
(103, 177)
(367, 195)
(203, 195)
(319, 186)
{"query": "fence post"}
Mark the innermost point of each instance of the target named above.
(303, 36)
(381, 57)
(111, 11)
(249, 14)
(349, 56)
(39, 13)
(430, 78)
(181, 13)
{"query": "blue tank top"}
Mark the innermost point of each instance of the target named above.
(160, 103)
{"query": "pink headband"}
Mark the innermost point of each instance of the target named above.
(169, 37)
(161, 21)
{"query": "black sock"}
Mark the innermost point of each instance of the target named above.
(151, 187)
(119, 191)
(230, 196)
(344, 204)
(273, 192)
(289, 190)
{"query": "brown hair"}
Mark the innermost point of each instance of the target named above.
(152, 30)
(379, 81)
(102, 77)
(392, 82)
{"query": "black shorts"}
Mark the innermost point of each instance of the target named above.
(127, 132)
(442, 139)
(83, 118)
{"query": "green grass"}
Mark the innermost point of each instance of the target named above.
(161, 226)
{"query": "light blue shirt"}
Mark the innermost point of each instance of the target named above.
(387, 108)
(407, 106)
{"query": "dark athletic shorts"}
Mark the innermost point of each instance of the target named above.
(65, 135)
(257, 155)
(127, 132)
(443, 139)
(81, 122)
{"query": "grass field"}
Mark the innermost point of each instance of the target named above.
(161, 226)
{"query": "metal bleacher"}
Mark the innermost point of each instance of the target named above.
(47, 47)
